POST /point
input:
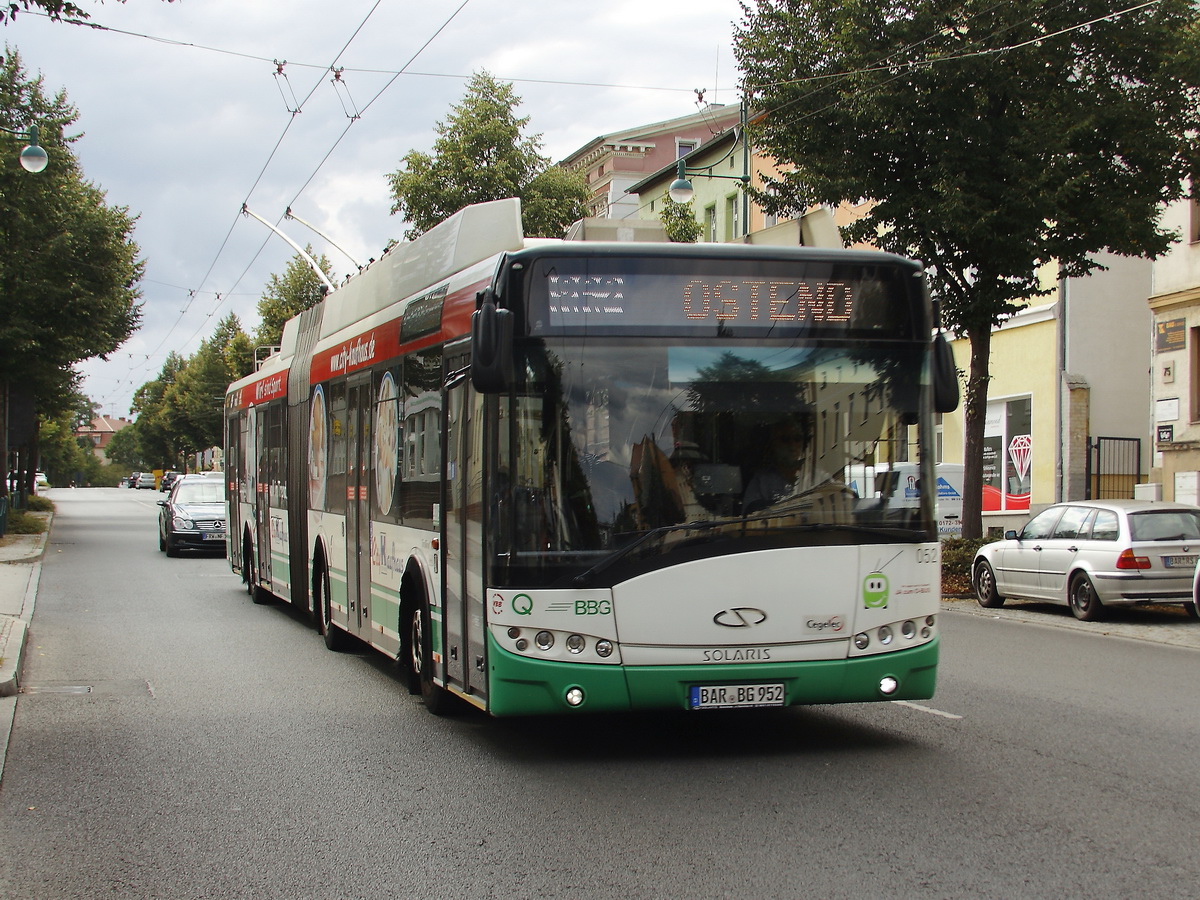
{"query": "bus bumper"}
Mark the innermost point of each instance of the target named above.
(522, 686)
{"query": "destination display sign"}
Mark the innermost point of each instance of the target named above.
(663, 295)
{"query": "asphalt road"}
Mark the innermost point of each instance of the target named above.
(176, 741)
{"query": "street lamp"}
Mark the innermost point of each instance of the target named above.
(681, 190)
(33, 157)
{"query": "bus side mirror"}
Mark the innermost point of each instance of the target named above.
(945, 376)
(491, 345)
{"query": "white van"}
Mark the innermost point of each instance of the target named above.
(949, 490)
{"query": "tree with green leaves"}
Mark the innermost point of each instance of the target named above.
(482, 154)
(69, 268)
(992, 138)
(55, 9)
(679, 221)
(289, 294)
(123, 451)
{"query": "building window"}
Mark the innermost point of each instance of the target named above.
(683, 148)
(938, 437)
(1007, 455)
(710, 224)
(1193, 221)
(731, 218)
(1194, 372)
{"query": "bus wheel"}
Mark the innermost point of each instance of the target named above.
(421, 660)
(249, 575)
(335, 638)
(250, 572)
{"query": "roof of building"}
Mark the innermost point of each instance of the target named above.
(716, 116)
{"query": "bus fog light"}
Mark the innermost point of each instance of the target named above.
(514, 632)
(929, 621)
(909, 629)
(574, 696)
(544, 640)
(522, 645)
(888, 685)
(604, 649)
(861, 641)
(926, 632)
(885, 635)
(575, 643)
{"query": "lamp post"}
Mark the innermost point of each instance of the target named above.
(33, 156)
(681, 190)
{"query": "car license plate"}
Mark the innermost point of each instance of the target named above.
(213, 536)
(1180, 562)
(730, 696)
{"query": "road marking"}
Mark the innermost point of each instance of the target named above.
(928, 709)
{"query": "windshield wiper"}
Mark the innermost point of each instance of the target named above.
(584, 577)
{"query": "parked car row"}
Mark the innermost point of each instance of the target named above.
(192, 517)
(1089, 554)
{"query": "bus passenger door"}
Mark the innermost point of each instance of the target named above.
(257, 440)
(358, 512)
(462, 511)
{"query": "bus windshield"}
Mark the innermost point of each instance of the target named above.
(619, 454)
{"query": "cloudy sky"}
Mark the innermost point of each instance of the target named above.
(185, 118)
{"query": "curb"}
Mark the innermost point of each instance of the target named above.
(12, 635)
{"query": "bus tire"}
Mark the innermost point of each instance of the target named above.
(335, 638)
(420, 643)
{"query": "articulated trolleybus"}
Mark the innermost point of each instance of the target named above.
(553, 476)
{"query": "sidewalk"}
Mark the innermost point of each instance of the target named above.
(20, 570)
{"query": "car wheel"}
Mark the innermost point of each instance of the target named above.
(1083, 600)
(985, 586)
(335, 639)
(1193, 609)
(437, 701)
(162, 543)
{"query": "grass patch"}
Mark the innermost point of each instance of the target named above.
(21, 521)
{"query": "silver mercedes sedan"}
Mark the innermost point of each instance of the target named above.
(1090, 554)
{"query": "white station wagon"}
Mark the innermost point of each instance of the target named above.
(1090, 554)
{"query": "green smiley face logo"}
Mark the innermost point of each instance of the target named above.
(875, 591)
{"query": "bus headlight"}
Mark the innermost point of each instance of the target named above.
(885, 635)
(544, 640)
(861, 641)
(604, 649)
(576, 643)
(909, 629)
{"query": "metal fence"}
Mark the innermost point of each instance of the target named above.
(1113, 467)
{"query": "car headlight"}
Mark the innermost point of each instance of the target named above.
(179, 523)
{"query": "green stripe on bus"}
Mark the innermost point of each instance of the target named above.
(522, 686)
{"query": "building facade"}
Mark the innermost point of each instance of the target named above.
(1175, 308)
(614, 162)
(99, 432)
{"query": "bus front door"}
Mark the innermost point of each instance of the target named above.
(462, 524)
(358, 512)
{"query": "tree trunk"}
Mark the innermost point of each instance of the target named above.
(974, 418)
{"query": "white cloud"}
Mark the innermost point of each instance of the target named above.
(182, 133)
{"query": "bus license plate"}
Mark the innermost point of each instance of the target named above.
(730, 696)
(1180, 562)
